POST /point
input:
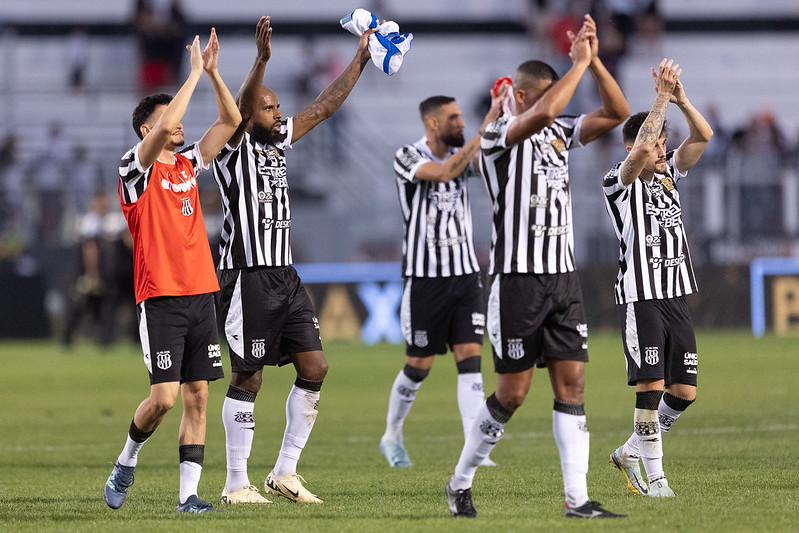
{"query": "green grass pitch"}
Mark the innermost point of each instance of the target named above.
(732, 459)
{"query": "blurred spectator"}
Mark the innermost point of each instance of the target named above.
(85, 179)
(16, 224)
(159, 26)
(49, 175)
(77, 58)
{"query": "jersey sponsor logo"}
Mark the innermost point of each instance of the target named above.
(186, 208)
(558, 230)
(316, 325)
(446, 201)
(266, 197)
(478, 319)
(651, 355)
(515, 348)
(276, 224)
(652, 240)
(278, 183)
(215, 353)
(582, 329)
(667, 217)
(258, 348)
(186, 183)
(690, 359)
(244, 417)
(538, 201)
(557, 178)
(408, 158)
(538, 230)
(666, 262)
(163, 359)
(420, 338)
(444, 243)
(493, 129)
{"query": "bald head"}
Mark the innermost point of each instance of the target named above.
(264, 123)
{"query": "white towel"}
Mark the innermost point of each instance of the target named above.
(387, 45)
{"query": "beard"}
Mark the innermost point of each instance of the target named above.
(455, 140)
(263, 134)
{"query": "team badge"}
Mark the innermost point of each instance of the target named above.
(667, 183)
(559, 145)
(420, 338)
(163, 359)
(258, 348)
(651, 355)
(187, 209)
(515, 349)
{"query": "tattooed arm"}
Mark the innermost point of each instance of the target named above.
(649, 144)
(331, 98)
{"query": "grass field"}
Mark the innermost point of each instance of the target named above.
(732, 459)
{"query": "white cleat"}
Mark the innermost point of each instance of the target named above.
(632, 472)
(660, 489)
(290, 486)
(246, 494)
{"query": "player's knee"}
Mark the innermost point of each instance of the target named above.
(160, 405)
(511, 399)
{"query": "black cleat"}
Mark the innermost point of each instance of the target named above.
(590, 510)
(460, 502)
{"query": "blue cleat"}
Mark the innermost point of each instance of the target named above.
(116, 488)
(395, 453)
(195, 505)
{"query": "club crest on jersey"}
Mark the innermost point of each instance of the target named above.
(163, 360)
(559, 145)
(651, 355)
(667, 183)
(186, 208)
(258, 348)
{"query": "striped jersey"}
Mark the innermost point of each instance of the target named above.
(528, 184)
(255, 202)
(171, 255)
(437, 218)
(654, 261)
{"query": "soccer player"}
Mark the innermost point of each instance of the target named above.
(268, 316)
(655, 274)
(535, 313)
(443, 296)
(174, 272)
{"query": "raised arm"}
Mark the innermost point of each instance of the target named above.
(158, 137)
(331, 98)
(552, 99)
(649, 133)
(247, 98)
(699, 131)
(614, 107)
(457, 162)
(229, 117)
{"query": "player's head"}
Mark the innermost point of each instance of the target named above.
(629, 133)
(149, 111)
(264, 124)
(443, 120)
(533, 78)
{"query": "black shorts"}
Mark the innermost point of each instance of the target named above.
(437, 312)
(267, 315)
(533, 317)
(659, 341)
(179, 338)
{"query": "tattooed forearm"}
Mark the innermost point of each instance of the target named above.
(650, 129)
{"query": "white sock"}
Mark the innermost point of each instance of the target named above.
(130, 453)
(480, 441)
(470, 398)
(667, 416)
(400, 401)
(647, 429)
(630, 448)
(239, 422)
(189, 479)
(301, 411)
(573, 440)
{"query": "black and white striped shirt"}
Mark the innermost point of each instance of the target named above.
(437, 217)
(528, 184)
(654, 261)
(255, 203)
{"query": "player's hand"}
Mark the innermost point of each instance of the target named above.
(211, 52)
(363, 45)
(580, 51)
(590, 33)
(195, 54)
(666, 77)
(263, 38)
(495, 111)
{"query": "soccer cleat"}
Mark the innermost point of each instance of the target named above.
(589, 510)
(116, 488)
(460, 502)
(660, 489)
(194, 505)
(246, 494)
(631, 471)
(290, 486)
(395, 453)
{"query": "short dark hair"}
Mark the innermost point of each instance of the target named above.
(537, 70)
(630, 129)
(433, 103)
(145, 109)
